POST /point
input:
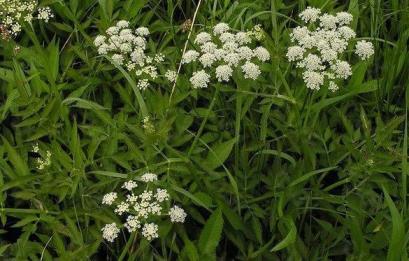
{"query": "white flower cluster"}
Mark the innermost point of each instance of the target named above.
(177, 214)
(224, 51)
(42, 162)
(15, 12)
(320, 46)
(257, 32)
(171, 75)
(148, 125)
(110, 232)
(141, 208)
(128, 48)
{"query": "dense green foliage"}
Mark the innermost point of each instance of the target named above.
(272, 171)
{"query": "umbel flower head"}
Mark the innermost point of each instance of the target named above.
(220, 52)
(140, 208)
(320, 47)
(13, 13)
(128, 48)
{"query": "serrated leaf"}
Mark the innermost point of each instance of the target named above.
(211, 233)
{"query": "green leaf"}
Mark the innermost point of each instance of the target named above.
(309, 175)
(3, 249)
(290, 238)
(190, 251)
(84, 104)
(397, 238)
(191, 196)
(109, 174)
(211, 233)
(279, 154)
(18, 163)
(219, 153)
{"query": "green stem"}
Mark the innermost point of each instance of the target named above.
(204, 121)
(237, 130)
(310, 99)
(323, 97)
(131, 239)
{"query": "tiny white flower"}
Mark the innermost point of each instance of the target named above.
(364, 49)
(202, 38)
(143, 84)
(328, 21)
(159, 58)
(109, 198)
(207, 59)
(221, 28)
(328, 55)
(132, 223)
(245, 53)
(242, 38)
(219, 54)
(223, 73)
(313, 80)
(122, 24)
(118, 58)
(232, 59)
(125, 48)
(142, 31)
(45, 14)
(190, 56)
(122, 208)
(177, 215)
(347, 32)
(113, 30)
(231, 46)
(250, 70)
(149, 177)
(99, 40)
(130, 185)
(110, 232)
(262, 54)
(150, 231)
(344, 18)
(125, 34)
(103, 49)
(339, 45)
(310, 14)
(131, 198)
(333, 86)
(171, 75)
(200, 79)
(342, 69)
(295, 53)
(139, 42)
(208, 47)
(299, 33)
(162, 195)
(36, 148)
(311, 63)
(227, 37)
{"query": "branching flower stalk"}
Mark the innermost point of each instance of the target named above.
(321, 46)
(141, 209)
(192, 24)
(221, 52)
(14, 13)
(128, 48)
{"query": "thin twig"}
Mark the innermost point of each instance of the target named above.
(184, 50)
